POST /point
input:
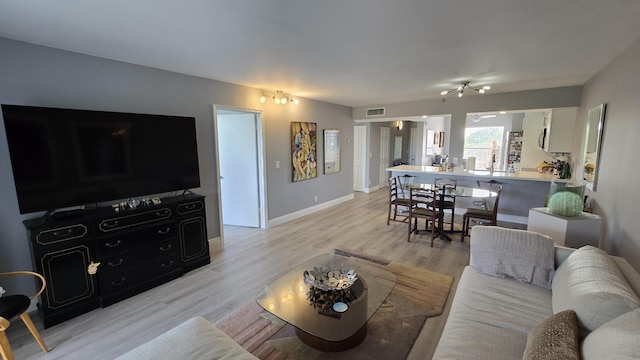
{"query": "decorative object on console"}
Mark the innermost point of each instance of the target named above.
(92, 269)
(566, 199)
(133, 203)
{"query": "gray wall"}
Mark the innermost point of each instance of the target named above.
(459, 107)
(617, 197)
(41, 76)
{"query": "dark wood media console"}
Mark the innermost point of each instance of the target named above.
(137, 249)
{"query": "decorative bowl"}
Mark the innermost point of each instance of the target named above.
(330, 279)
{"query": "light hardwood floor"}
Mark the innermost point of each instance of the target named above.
(250, 259)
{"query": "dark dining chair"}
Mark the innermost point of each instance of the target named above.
(449, 201)
(396, 199)
(423, 206)
(485, 215)
(15, 306)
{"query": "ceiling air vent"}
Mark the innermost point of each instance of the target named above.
(375, 112)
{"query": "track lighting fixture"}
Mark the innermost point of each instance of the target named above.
(465, 85)
(279, 97)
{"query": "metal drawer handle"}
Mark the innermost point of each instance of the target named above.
(112, 264)
(161, 213)
(165, 247)
(110, 245)
(170, 264)
(164, 232)
(64, 232)
(110, 225)
(190, 206)
(118, 283)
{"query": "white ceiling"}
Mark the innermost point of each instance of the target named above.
(350, 52)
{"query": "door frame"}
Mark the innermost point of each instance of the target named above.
(261, 156)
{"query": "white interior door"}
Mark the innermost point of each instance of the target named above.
(359, 157)
(385, 139)
(239, 176)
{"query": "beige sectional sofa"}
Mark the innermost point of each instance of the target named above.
(195, 339)
(522, 297)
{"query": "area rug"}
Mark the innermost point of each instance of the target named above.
(391, 332)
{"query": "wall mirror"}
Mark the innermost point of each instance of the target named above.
(593, 144)
(397, 148)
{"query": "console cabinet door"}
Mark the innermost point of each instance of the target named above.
(194, 246)
(62, 253)
(68, 281)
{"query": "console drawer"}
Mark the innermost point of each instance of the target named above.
(130, 240)
(61, 234)
(141, 272)
(122, 222)
(130, 259)
(190, 207)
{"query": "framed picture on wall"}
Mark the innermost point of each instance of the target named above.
(303, 151)
(331, 151)
(441, 139)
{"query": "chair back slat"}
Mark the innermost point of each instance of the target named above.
(422, 199)
(394, 190)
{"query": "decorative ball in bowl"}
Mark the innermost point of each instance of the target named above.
(330, 280)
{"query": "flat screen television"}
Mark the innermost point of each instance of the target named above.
(63, 158)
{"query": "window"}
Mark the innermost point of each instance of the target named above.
(484, 143)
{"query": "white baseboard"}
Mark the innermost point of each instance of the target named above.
(372, 189)
(307, 211)
(215, 242)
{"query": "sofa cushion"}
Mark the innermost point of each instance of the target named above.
(196, 338)
(490, 317)
(589, 282)
(555, 338)
(617, 339)
(516, 254)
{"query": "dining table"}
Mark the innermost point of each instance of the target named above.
(443, 191)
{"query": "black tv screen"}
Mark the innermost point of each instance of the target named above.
(63, 158)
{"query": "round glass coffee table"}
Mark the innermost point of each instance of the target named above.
(311, 311)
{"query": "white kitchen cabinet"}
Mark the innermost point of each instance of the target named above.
(575, 231)
(559, 129)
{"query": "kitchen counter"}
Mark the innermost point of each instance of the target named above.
(521, 190)
(520, 175)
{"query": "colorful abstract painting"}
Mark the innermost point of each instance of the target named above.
(304, 164)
